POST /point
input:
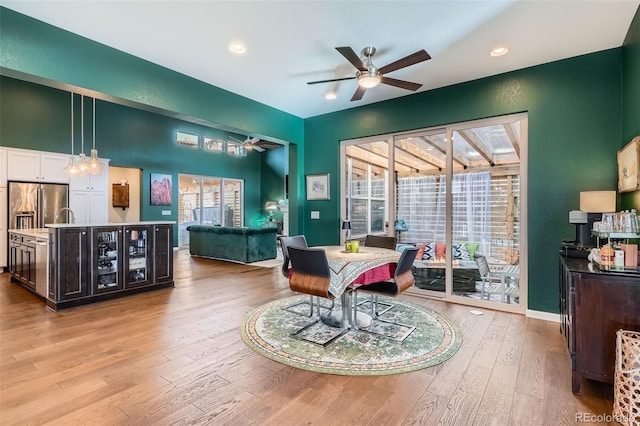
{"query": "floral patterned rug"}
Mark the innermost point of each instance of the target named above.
(282, 331)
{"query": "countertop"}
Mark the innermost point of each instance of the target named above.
(40, 233)
(582, 265)
(93, 225)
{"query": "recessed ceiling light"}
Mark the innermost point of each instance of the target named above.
(499, 51)
(237, 47)
(330, 96)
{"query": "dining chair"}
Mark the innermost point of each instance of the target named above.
(295, 241)
(505, 283)
(285, 243)
(402, 279)
(310, 273)
(380, 241)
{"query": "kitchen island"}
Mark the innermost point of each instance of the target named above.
(87, 263)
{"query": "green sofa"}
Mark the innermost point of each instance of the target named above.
(237, 244)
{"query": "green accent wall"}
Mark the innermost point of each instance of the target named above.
(631, 78)
(581, 111)
(38, 117)
(574, 109)
(34, 51)
(631, 99)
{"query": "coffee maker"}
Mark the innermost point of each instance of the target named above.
(592, 205)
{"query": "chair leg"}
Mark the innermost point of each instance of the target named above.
(354, 309)
(310, 306)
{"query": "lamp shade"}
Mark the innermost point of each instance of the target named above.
(346, 224)
(598, 201)
(271, 205)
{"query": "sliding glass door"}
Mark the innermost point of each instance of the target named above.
(208, 200)
(366, 179)
(458, 193)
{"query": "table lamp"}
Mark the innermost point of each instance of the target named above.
(346, 225)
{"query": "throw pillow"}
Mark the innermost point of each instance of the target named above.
(420, 252)
(460, 251)
(429, 252)
(441, 249)
(472, 248)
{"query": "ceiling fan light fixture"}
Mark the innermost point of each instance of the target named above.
(369, 79)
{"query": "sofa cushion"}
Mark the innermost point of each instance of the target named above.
(460, 251)
(429, 251)
(472, 248)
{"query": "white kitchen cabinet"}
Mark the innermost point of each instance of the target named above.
(36, 166)
(89, 206)
(98, 182)
(3, 227)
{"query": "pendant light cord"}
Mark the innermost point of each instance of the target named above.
(71, 124)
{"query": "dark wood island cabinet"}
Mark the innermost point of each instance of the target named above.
(88, 264)
(594, 305)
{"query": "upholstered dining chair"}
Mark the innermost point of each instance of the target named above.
(285, 243)
(310, 273)
(402, 279)
(380, 241)
(295, 241)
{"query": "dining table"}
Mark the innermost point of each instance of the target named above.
(348, 269)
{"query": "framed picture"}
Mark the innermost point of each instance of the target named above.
(161, 190)
(628, 166)
(318, 187)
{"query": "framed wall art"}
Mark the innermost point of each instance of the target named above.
(318, 187)
(161, 190)
(628, 178)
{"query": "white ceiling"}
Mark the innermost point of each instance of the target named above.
(292, 42)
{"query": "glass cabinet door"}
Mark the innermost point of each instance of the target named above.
(138, 271)
(107, 259)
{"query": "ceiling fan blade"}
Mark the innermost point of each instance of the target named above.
(359, 93)
(259, 149)
(412, 59)
(329, 81)
(401, 83)
(351, 56)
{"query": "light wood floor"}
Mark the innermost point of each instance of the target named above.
(175, 356)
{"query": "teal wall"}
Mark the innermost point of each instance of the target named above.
(581, 111)
(34, 51)
(38, 117)
(631, 99)
(575, 129)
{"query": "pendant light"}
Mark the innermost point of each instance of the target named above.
(94, 165)
(72, 169)
(83, 169)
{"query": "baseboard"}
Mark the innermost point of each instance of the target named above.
(546, 316)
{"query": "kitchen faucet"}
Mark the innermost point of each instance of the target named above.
(71, 213)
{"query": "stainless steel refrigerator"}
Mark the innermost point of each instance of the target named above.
(32, 205)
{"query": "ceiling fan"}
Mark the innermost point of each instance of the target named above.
(249, 143)
(369, 76)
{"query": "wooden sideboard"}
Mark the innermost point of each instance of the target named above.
(593, 306)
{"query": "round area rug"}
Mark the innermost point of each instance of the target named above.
(406, 337)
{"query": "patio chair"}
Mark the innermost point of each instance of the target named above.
(380, 241)
(505, 282)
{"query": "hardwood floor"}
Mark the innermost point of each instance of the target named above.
(175, 356)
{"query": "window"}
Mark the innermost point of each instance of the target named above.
(208, 200)
(187, 139)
